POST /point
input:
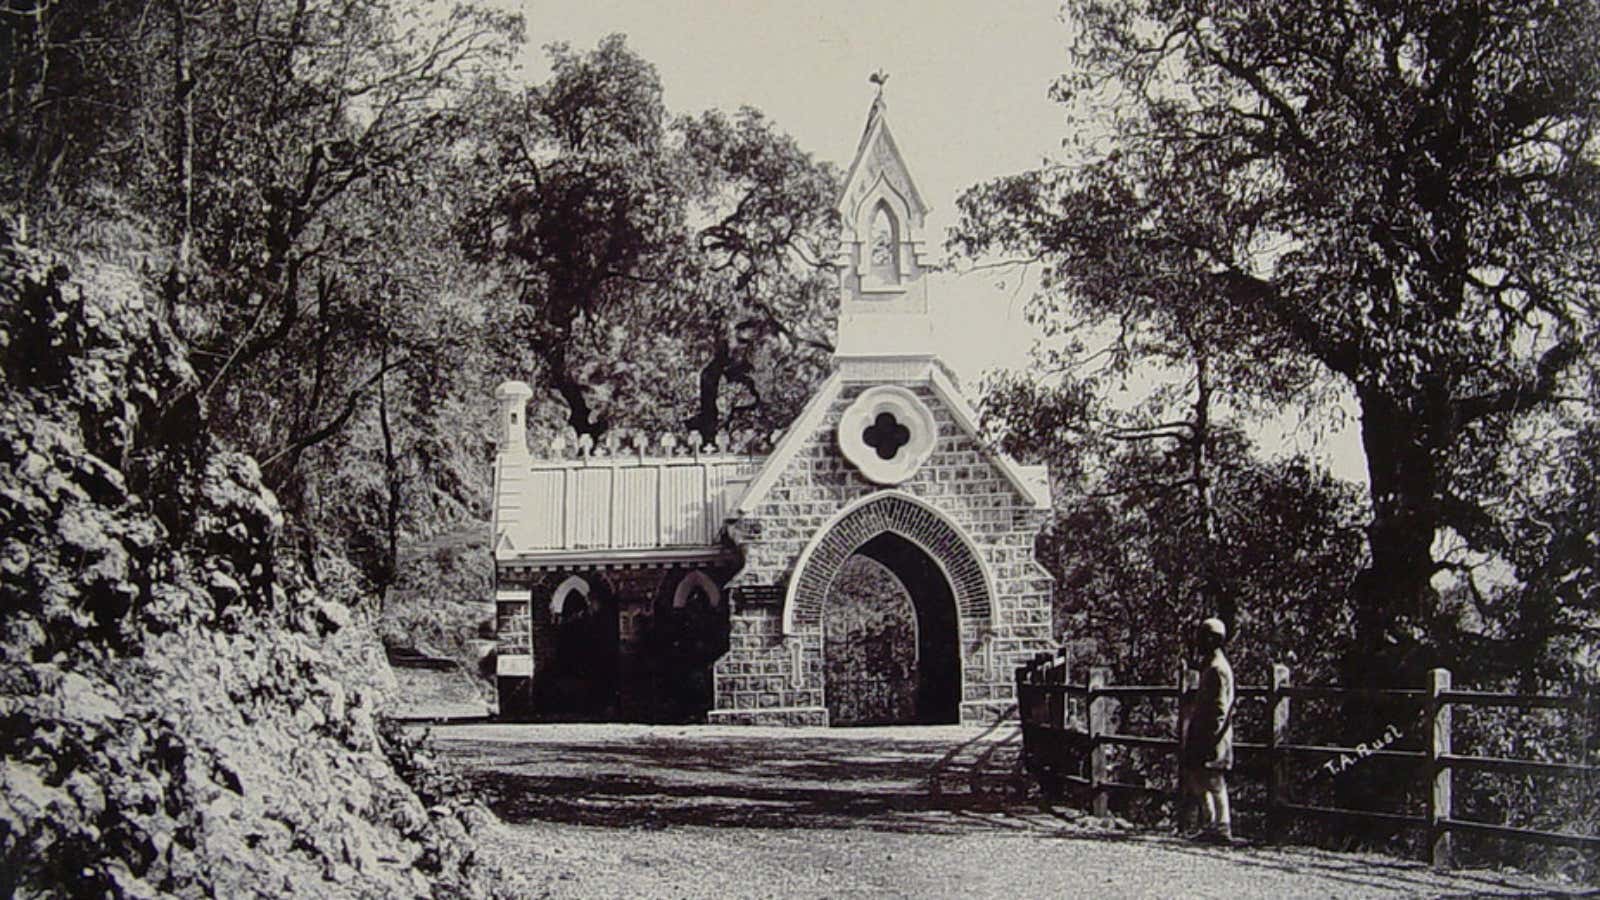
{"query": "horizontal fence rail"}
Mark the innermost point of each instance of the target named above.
(1066, 731)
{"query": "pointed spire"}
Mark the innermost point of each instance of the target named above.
(878, 109)
(876, 132)
(883, 252)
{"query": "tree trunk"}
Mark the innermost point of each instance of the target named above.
(579, 415)
(708, 416)
(1393, 594)
(1214, 600)
(183, 175)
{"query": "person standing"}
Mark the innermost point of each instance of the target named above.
(1208, 734)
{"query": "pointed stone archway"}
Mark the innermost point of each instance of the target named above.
(948, 583)
(908, 671)
(895, 512)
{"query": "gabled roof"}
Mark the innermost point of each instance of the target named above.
(1032, 482)
(783, 454)
(875, 132)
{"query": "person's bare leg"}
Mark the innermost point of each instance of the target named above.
(1191, 804)
(1219, 819)
(1224, 819)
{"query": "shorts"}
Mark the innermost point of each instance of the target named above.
(1201, 780)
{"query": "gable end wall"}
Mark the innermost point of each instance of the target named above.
(770, 678)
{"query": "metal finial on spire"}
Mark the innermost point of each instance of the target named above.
(879, 78)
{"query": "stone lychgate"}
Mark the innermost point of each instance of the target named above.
(674, 580)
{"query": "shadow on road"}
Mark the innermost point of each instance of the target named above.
(662, 778)
(907, 781)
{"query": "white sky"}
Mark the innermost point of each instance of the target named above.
(967, 98)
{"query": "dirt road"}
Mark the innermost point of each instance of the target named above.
(637, 811)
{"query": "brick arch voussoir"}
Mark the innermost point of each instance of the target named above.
(933, 533)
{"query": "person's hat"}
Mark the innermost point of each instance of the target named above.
(1213, 626)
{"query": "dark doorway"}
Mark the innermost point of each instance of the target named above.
(579, 682)
(683, 637)
(890, 638)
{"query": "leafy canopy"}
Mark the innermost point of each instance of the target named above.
(1405, 193)
(661, 271)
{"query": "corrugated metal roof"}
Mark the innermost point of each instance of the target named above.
(634, 507)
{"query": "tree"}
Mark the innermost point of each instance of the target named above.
(581, 199)
(1130, 528)
(71, 94)
(288, 169)
(1550, 612)
(763, 299)
(658, 267)
(1063, 403)
(1404, 193)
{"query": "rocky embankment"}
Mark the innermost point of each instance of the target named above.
(181, 711)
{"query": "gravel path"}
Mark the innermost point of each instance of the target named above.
(637, 811)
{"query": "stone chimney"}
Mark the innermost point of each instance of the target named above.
(512, 434)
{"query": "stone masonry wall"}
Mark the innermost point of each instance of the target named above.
(513, 638)
(767, 678)
(755, 680)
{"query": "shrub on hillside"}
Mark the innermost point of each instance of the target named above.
(180, 711)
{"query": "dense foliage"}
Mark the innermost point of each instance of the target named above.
(1402, 195)
(660, 271)
(360, 225)
(282, 171)
(1264, 207)
(1151, 536)
(181, 711)
(246, 410)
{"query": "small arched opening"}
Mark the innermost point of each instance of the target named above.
(883, 247)
(686, 634)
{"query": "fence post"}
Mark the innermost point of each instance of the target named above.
(1438, 746)
(1060, 673)
(1277, 738)
(1020, 677)
(1099, 722)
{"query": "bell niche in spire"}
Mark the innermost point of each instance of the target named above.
(883, 297)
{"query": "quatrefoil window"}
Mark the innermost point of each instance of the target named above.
(886, 435)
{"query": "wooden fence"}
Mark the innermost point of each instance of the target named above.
(1063, 745)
